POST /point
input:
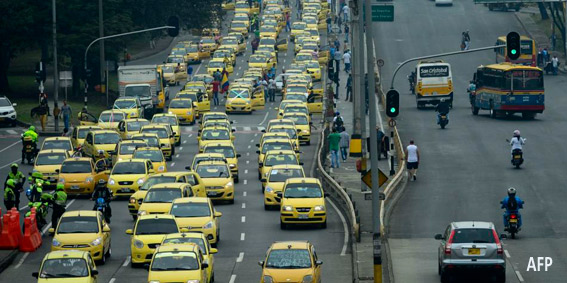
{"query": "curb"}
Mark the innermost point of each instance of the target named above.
(5, 262)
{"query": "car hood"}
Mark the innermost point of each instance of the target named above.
(63, 280)
(193, 222)
(74, 177)
(139, 195)
(303, 202)
(76, 238)
(50, 169)
(173, 276)
(215, 182)
(150, 208)
(276, 186)
(6, 108)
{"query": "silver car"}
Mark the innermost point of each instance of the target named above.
(471, 245)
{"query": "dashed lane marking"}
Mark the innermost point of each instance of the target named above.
(172, 164)
(240, 257)
(244, 193)
(232, 278)
(519, 276)
(184, 141)
(245, 171)
(177, 155)
(126, 261)
(245, 182)
(243, 219)
(242, 236)
(243, 205)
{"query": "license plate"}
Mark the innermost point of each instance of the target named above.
(474, 251)
(74, 187)
(517, 156)
(303, 216)
(514, 220)
(211, 194)
(125, 190)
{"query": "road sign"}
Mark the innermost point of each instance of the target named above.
(367, 179)
(382, 13)
(65, 78)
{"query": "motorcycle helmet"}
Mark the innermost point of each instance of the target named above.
(32, 128)
(511, 191)
(14, 165)
(100, 152)
(516, 133)
(60, 186)
(28, 193)
(337, 113)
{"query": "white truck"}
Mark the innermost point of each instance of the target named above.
(144, 82)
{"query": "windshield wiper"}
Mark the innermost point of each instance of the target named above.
(63, 275)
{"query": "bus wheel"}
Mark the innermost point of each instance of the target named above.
(528, 115)
(474, 109)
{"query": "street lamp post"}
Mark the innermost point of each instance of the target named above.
(55, 69)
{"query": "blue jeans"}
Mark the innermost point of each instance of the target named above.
(216, 98)
(505, 218)
(439, 118)
(347, 67)
(335, 163)
(344, 153)
(328, 28)
(66, 121)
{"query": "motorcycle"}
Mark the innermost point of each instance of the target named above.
(101, 205)
(517, 158)
(30, 151)
(411, 83)
(443, 120)
(41, 209)
(513, 224)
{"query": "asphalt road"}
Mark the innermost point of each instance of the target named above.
(246, 229)
(465, 169)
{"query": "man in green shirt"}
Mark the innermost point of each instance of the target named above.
(334, 139)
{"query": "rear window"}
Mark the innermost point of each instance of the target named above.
(62, 144)
(156, 227)
(129, 168)
(473, 235)
(71, 167)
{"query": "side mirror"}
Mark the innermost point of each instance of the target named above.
(232, 122)
(327, 195)
(233, 130)
(298, 130)
(204, 265)
(129, 232)
(257, 145)
(187, 167)
(94, 272)
(152, 171)
(51, 231)
(218, 214)
(213, 251)
(503, 236)
(257, 151)
(438, 237)
(319, 262)
(238, 155)
(300, 163)
(14, 104)
(35, 274)
(112, 152)
(263, 180)
(261, 263)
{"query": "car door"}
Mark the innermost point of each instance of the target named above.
(75, 137)
(122, 129)
(90, 263)
(196, 184)
(88, 146)
(258, 99)
(203, 104)
(315, 104)
(105, 234)
(281, 45)
(317, 267)
(88, 119)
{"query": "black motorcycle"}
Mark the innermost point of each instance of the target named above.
(517, 158)
(29, 150)
(513, 224)
(443, 120)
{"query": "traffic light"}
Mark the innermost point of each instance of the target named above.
(392, 103)
(40, 72)
(173, 21)
(513, 45)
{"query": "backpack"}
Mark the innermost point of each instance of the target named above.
(339, 121)
(512, 203)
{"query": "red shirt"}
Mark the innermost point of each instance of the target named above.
(216, 85)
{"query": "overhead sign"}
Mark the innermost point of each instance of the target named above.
(367, 178)
(382, 13)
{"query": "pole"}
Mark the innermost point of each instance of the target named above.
(565, 29)
(101, 34)
(41, 88)
(362, 90)
(106, 81)
(55, 69)
(356, 92)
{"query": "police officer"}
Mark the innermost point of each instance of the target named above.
(19, 180)
(9, 194)
(59, 203)
(33, 135)
(36, 182)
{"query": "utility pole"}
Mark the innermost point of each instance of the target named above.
(101, 34)
(362, 88)
(356, 75)
(55, 69)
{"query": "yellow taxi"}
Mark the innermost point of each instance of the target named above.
(296, 28)
(302, 122)
(200, 157)
(129, 127)
(234, 43)
(67, 266)
(303, 202)
(147, 234)
(206, 79)
(172, 74)
(283, 143)
(129, 105)
(199, 239)
(314, 34)
(303, 56)
(152, 140)
(178, 51)
(79, 133)
(276, 157)
(311, 21)
(153, 154)
(220, 65)
(79, 175)
(214, 135)
(284, 103)
(228, 5)
(279, 122)
(242, 6)
(109, 119)
(166, 138)
(217, 180)
(260, 61)
(128, 175)
(58, 143)
(48, 162)
(268, 31)
(185, 177)
(314, 69)
(100, 140)
(195, 55)
(274, 183)
(296, 108)
(159, 197)
(212, 116)
(290, 131)
(208, 44)
(216, 123)
(125, 149)
(225, 53)
(84, 230)
(201, 102)
(239, 26)
(178, 263)
(238, 100)
(169, 119)
(272, 136)
(197, 214)
(293, 261)
(229, 152)
(267, 42)
(240, 16)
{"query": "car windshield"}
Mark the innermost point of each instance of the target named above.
(50, 159)
(212, 171)
(216, 64)
(64, 268)
(156, 226)
(154, 180)
(171, 120)
(4, 102)
(161, 132)
(181, 103)
(303, 190)
(128, 148)
(152, 155)
(221, 54)
(473, 235)
(298, 119)
(281, 175)
(124, 104)
(185, 240)
(178, 52)
(227, 151)
(107, 138)
(215, 135)
(190, 209)
(313, 65)
(289, 259)
(299, 25)
(134, 126)
(258, 59)
(300, 97)
(237, 25)
(267, 41)
(77, 224)
(129, 168)
(83, 133)
(162, 195)
(151, 141)
(303, 57)
(173, 60)
(137, 91)
(62, 144)
(301, 89)
(276, 146)
(167, 69)
(111, 117)
(296, 109)
(289, 131)
(280, 123)
(243, 5)
(202, 78)
(280, 159)
(176, 260)
(73, 167)
(310, 20)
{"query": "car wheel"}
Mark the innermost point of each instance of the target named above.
(501, 277)
(438, 268)
(324, 225)
(212, 277)
(236, 179)
(102, 260)
(135, 265)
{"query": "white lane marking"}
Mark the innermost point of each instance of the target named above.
(245, 171)
(172, 164)
(507, 253)
(244, 193)
(240, 257)
(245, 182)
(249, 146)
(242, 236)
(345, 242)
(198, 68)
(190, 135)
(265, 117)
(519, 276)
(184, 141)
(232, 278)
(112, 280)
(251, 139)
(4, 166)
(126, 261)
(248, 154)
(21, 260)
(284, 60)
(177, 155)
(11, 145)
(11, 132)
(243, 219)
(243, 205)
(180, 148)
(256, 134)
(247, 161)
(70, 202)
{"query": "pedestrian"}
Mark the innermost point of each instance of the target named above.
(346, 33)
(265, 86)
(42, 112)
(346, 11)
(412, 159)
(59, 204)
(330, 6)
(272, 90)
(272, 73)
(539, 57)
(346, 59)
(338, 121)
(56, 112)
(328, 24)
(349, 88)
(66, 112)
(255, 43)
(337, 44)
(555, 64)
(334, 140)
(332, 50)
(545, 54)
(19, 179)
(217, 75)
(382, 145)
(287, 22)
(216, 85)
(189, 73)
(344, 143)
(338, 57)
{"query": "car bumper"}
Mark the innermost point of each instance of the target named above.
(499, 264)
(8, 117)
(293, 217)
(272, 198)
(143, 255)
(186, 119)
(304, 137)
(96, 252)
(210, 233)
(242, 109)
(79, 188)
(123, 190)
(133, 208)
(220, 194)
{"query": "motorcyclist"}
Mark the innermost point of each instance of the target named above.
(411, 79)
(512, 204)
(102, 191)
(472, 87)
(517, 141)
(19, 180)
(9, 194)
(101, 162)
(443, 109)
(29, 136)
(59, 204)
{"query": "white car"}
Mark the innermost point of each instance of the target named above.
(7, 112)
(443, 2)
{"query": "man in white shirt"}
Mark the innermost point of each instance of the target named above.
(346, 58)
(346, 11)
(412, 160)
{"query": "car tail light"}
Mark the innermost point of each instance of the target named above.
(449, 243)
(498, 244)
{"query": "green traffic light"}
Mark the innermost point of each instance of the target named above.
(393, 110)
(513, 51)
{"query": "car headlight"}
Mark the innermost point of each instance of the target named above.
(209, 225)
(61, 180)
(231, 165)
(287, 208)
(96, 241)
(55, 243)
(188, 112)
(119, 158)
(154, 281)
(193, 281)
(138, 244)
(269, 190)
(111, 181)
(142, 212)
(229, 184)
(161, 168)
(170, 112)
(268, 279)
(132, 200)
(88, 180)
(319, 208)
(11, 111)
(140, 181)
(307, 279)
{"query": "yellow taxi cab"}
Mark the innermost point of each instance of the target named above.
(159, 197)
(178, 263)
(239, 26)
(169, 119)
(100, 140)
(242, 6)
(282, 143)
(271, 50)
(197, 214)
(229, 152)
(273, 183)
(79, 133)
(296, 108)
(151, 139)
(206, 79)
(278, 122)
(175, 59)
(214, 135)
(290, 131)
(178, 51)
(296, 28)
(238, 100)
(67, 266)
(218, 64)
(208, 44)
(210, 31)
(79, 175)
(258, 100)
(303, 56)
(303, 123)
(225, 53)
(240, 16)
(272, 136)
(217, 180)
(147, 234)
(195, 55)
(232, 42)
(200, 157)
(284, 103)
(185, 177)
(128, 175)
(153, 154)
(212, 116)
(216, 123)
(125, 149)
(314, 34)
(172, 74)
(129, 105)
(58, 143)
(199, 239)
(109, 119)
(48, 162)
(166, 138)
(267, 42)
(129, 127)
(303, 201)
(314, 69)
(84, 230)
(293, 261)
(276, 157)
(260, 61)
